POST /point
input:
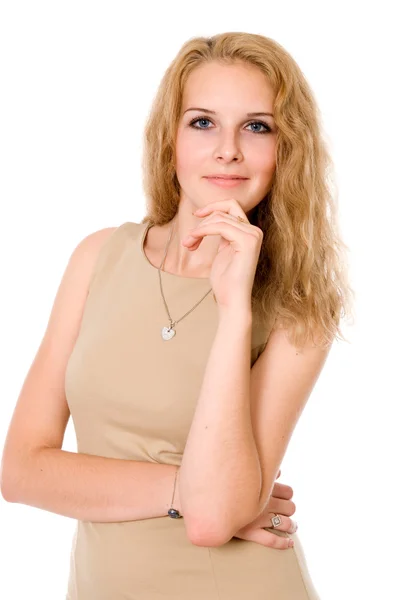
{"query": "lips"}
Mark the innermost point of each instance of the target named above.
(229, 177)
(226, 182)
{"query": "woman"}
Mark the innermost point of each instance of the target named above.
(185, 347)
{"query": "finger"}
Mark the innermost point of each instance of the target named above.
(230, 206)
(281, 490)
(287, 524)
(219, 216)
(268, 539)
(229, 230)
(281, 506)
(192, 243)
(207, 214)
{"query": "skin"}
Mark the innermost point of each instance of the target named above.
(228, 142)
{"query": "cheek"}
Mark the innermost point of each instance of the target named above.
(189, 152)
(264, 161)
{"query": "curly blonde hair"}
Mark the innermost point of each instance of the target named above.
(301, 277)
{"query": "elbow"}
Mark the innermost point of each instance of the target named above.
(15, 475)
(7, 486)
(7, 493)
(214, 535)
(206, 534)
(217, 536)
(206, 539)
(220, 529)
(12, 476)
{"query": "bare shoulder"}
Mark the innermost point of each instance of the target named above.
(41, 412)
(90, 246)
(82, 262)
(100, 235)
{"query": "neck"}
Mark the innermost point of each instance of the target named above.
(181, 260)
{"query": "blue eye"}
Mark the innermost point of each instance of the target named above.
(265, 125)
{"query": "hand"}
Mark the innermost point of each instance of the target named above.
(233, 270)
(279, 503)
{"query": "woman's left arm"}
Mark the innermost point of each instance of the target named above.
(220, 476)
(243, 424)
(282, 380)
(244, 418)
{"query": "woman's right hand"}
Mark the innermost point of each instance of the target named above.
(280, 503)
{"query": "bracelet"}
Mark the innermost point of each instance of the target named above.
(172, 512)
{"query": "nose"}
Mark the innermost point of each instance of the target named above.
(228, 147)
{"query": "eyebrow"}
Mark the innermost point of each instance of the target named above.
(213, 112)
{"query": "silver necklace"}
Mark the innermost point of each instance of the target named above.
(169, 332)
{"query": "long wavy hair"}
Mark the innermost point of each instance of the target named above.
(301, 279)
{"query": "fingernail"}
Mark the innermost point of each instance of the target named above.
(291, 544)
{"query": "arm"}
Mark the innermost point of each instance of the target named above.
(220, 477)
(92, 488)
(282, 380)
(223, 486)
(34, 468)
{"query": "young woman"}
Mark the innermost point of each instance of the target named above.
(185, 347)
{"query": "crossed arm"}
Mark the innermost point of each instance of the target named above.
(242, 426)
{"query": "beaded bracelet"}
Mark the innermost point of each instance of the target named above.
(172, 512)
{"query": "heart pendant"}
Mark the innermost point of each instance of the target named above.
(168, 333)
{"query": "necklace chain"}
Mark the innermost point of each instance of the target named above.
(168, 332)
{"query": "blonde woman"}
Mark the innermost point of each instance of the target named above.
(185, 347)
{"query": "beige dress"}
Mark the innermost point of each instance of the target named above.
(132, 395)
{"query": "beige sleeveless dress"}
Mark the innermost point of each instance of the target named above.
(132, 395)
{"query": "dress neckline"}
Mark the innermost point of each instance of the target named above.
(146, 228)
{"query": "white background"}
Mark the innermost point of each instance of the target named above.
(77, 80)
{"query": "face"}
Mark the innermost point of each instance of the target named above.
(227, 141)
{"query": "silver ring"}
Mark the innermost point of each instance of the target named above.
(276, 520)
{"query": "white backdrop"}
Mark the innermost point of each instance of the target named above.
(77, 80)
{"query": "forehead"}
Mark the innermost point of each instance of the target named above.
(214, 85)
